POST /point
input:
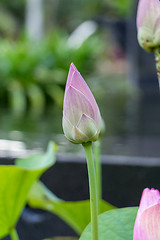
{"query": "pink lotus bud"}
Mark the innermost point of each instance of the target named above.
(81, 116)
(148, 24)
(147, 224)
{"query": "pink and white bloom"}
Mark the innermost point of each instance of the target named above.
(147, 224)
(81, 115)
(148, 24)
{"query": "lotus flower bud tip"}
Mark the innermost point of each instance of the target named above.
(148, 217)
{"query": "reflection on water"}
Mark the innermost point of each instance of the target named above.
(132, 128)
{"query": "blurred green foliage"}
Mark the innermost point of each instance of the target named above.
(15, 7)
(34, 73)
(121, 8)
(75, 12)
(8, 25)
(68, 14)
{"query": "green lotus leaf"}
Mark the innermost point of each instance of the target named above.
(116, 224)
(15, 183)
(75, 214)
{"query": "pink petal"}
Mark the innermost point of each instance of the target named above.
(70, 74)
(147, 226)
(143, 7)
(149, 198)
(157, 24)
(76, 104)
(76, 81)
(147, 9)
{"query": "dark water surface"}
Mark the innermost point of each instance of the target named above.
(132, 128)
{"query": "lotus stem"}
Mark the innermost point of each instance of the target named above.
(14, 235)
(157, 60)
(98, 169)
(93, 190)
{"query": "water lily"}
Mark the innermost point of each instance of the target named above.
(148, 217)
(148, 24)
(81, 116)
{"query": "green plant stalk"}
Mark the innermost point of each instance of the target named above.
(157, 60)
(98, 169)
(14, 235)
(93, 190)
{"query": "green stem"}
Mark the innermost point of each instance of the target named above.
(98, 168)
(92, 188)
(14, 235)
(157, 60)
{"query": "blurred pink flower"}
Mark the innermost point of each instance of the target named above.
(147, 224)
(81, 117)
(148, 24)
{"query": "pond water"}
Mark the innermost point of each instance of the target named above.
(132, 128)
(132, 124)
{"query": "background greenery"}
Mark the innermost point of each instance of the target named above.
(33, 74)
